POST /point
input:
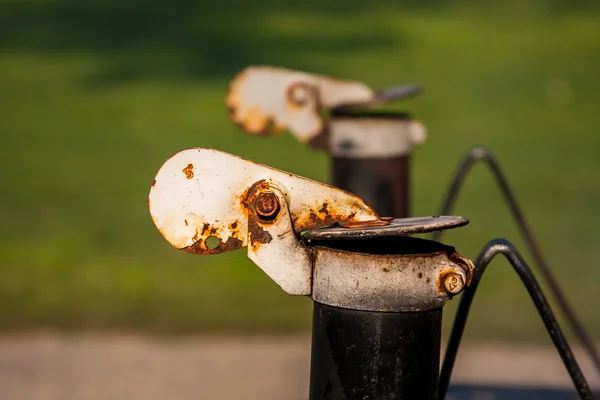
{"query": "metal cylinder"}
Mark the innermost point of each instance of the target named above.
(370, 155)
(377, 316)
(374, 355)
(384, 183)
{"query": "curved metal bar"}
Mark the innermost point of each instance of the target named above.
(504, 247)
(481, 153)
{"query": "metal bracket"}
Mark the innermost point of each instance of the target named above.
(272, 242)
(205, 201)
(265, 100)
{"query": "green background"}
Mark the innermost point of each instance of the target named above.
(96, 95)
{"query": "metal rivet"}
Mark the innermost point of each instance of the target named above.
(454, 283)
(266, 205)
(300, 94)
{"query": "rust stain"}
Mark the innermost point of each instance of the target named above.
(272, 128)
(153, 182)
(324, 213)
(259, 236)
(439, 283)
(235, 231)
(330, 213)
(186, 222)
(199, 247)
(324, 208)
(258, 124)
(465, 263)
(247, 197)
(189, 171)
(208, 231)
(205, 228)
(266, 205)
(254, 120)
(363, 224)
(301, 94)
(314, 219)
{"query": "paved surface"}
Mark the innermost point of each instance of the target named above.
(86, 367)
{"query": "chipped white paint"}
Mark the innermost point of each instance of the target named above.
(202, 186)
(199, 194)
(266, 100)
(284, 259)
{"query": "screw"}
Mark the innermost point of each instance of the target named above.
(454, 283)
(300, 94)
(266, 205)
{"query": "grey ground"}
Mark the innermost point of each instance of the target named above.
(90, 366)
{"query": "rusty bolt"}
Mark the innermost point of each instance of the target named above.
(266, 205)
(300, 94)
(454, 283)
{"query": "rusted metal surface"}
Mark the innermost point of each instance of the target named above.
(206, 201)
(360, 277)
(331, 115)
(265, 100)
(395, 227)
(266, 205)
(364, 224)
(203, 193)
(453, 283)
(274, 247)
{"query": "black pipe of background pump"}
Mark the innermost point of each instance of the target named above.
(383, 182)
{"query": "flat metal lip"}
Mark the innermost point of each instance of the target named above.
(397, 227)
(382, 97)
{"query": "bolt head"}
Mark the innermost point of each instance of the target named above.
(266, 205)
(301, 94)
(454, 283)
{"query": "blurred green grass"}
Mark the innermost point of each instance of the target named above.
(96, 95)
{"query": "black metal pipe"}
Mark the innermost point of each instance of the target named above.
(370, 157)
(374, 355)
(384, 183)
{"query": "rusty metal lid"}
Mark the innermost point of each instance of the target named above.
(396, 227)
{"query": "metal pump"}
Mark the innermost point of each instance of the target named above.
(205, 201)
(370, 151)
(378, 293)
